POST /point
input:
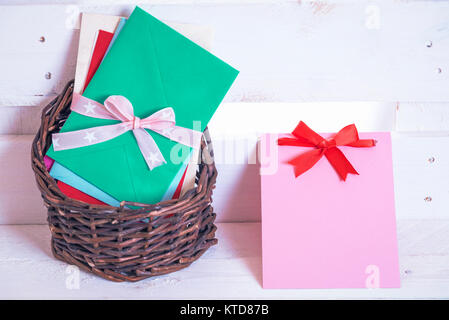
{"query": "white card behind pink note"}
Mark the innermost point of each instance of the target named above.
(321, 232)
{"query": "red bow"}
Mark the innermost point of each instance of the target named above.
(306, 137)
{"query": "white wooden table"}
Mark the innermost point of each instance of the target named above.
(230, 270)
(380, 64)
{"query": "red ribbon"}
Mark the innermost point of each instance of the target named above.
(306, 137)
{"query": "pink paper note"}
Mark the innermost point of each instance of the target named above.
(321, 232)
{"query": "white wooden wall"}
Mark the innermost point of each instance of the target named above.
(381, 64)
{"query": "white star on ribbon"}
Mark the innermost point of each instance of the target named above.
(154, 158)
(167, 131)
(90, 136)
(166, 115)
(89, 107)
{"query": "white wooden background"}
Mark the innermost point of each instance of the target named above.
(381, 64)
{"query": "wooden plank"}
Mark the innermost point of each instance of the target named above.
(245, 119)
(234, 142)
(287, 51)
(242, 119)
(423, 116)
(20, 200)
(20, 120)
(27, 268)
(237, 195)
(421, 172)
(25, 61)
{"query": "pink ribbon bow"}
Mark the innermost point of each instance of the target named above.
(119, 108)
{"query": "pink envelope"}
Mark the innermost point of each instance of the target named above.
(321, 232)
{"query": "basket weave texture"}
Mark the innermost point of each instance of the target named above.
(120, 243)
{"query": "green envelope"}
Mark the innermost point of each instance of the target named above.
(154, 67)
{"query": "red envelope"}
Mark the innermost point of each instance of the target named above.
(104, 38)
(179, 187)
(76, 194)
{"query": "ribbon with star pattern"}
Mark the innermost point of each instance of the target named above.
(119, 108)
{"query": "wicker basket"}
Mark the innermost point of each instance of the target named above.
(119, 243)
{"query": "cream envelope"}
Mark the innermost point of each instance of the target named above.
(90, 24)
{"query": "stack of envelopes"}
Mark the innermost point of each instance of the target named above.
(154, 67)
